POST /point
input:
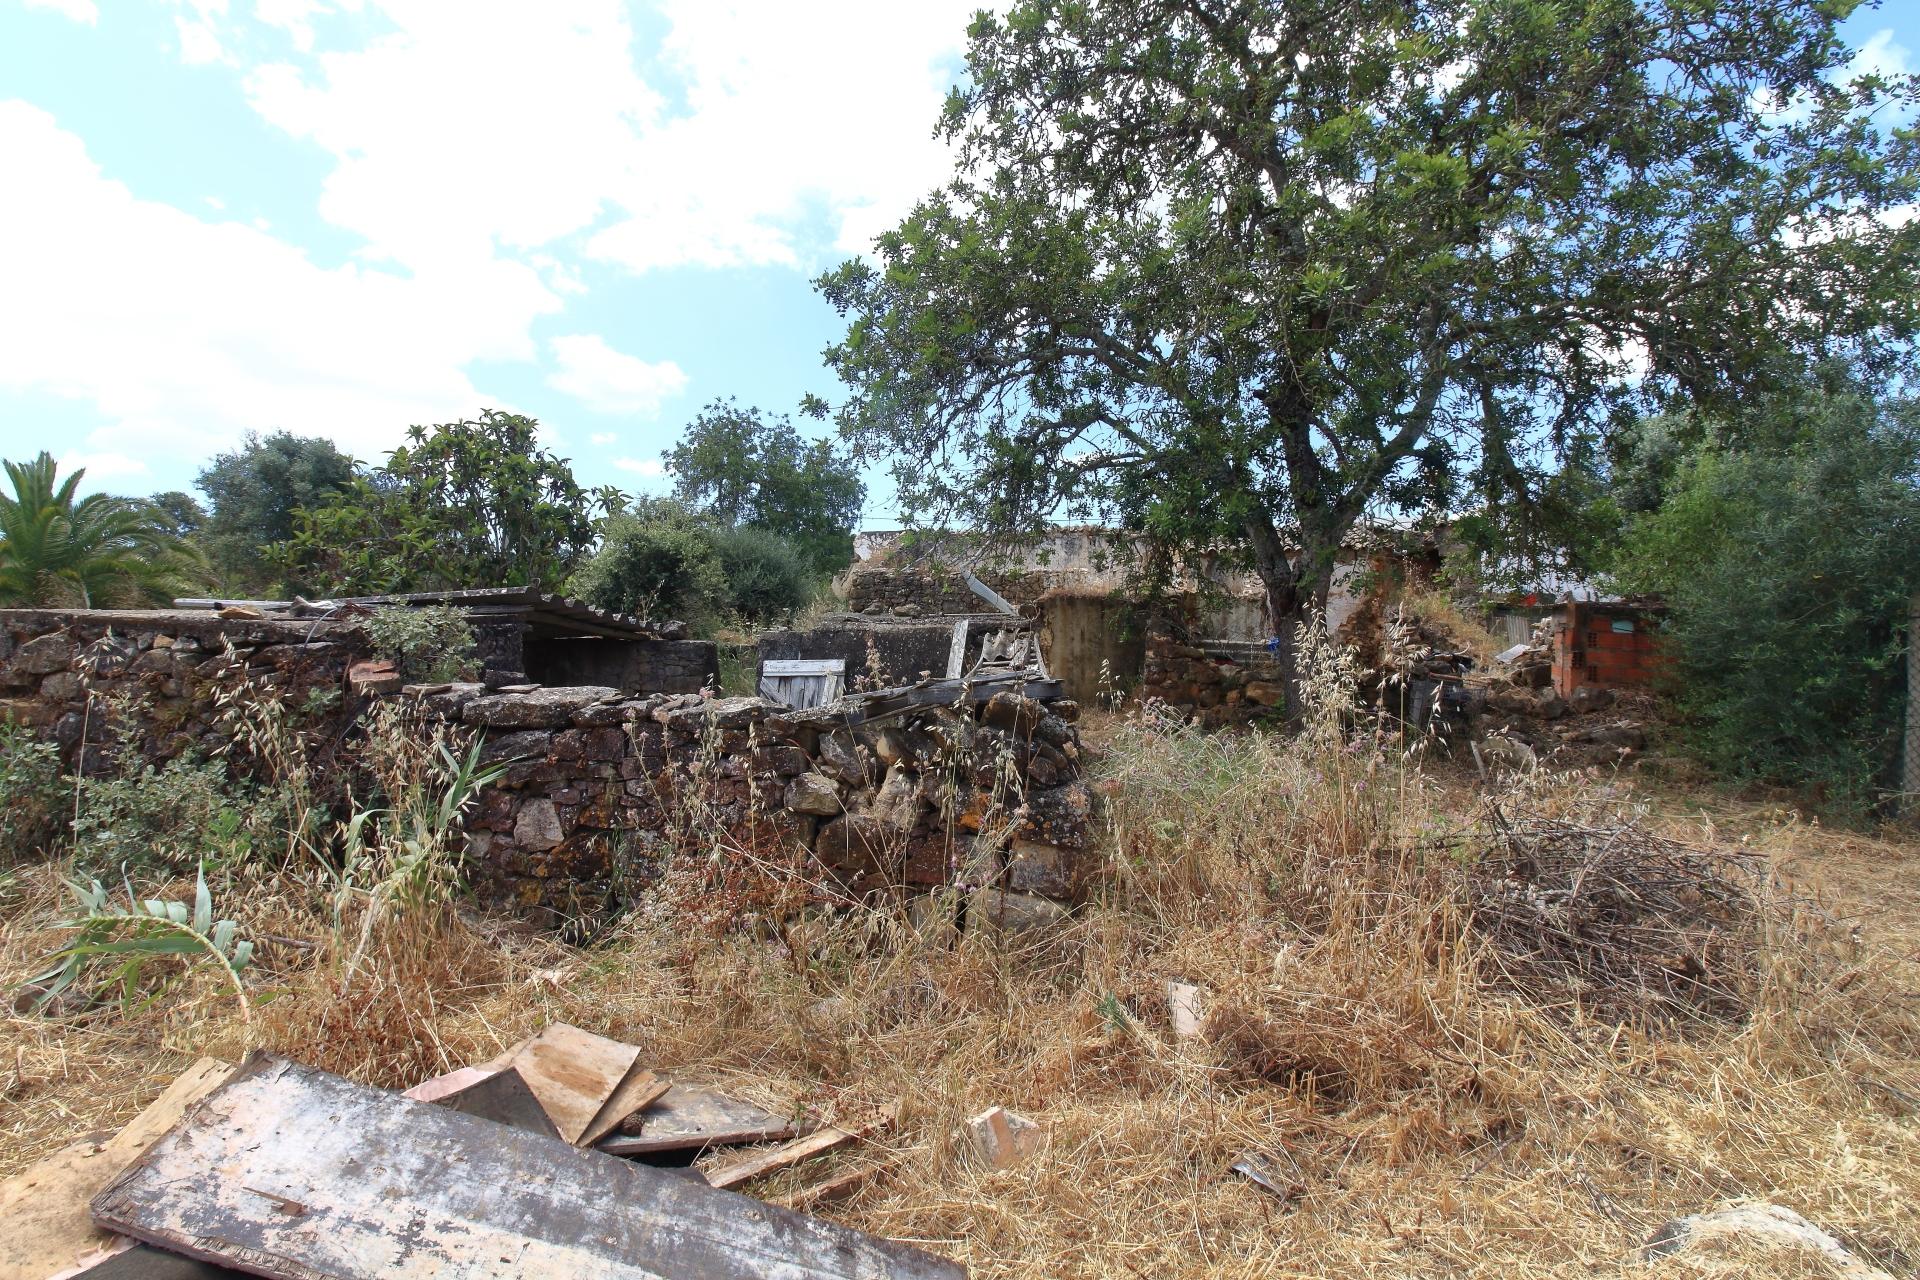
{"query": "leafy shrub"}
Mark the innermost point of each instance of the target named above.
(429, 645)
(1789, 568)
(767, 578)
(663, 560)
(30, 791)
(167, 819)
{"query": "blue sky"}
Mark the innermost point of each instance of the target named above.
(345, 216)
(341, 217)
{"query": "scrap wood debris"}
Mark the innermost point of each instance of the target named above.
(278, 1169)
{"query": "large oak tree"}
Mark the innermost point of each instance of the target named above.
(1239, 272)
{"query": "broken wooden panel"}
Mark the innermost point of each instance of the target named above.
(293, 1173)
(503, 1098)
(451, 1083)
(733, 1172)
(44, 1226)
(690, 1116)
(573, 1073)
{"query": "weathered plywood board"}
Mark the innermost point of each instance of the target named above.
(293, 1173)
(689, 1116)
(639, 1090)
(451, 1083)
(573, 1073)
(44, 1225)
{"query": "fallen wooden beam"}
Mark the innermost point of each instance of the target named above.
(292, 1173)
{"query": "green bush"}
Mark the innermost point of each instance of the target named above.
(30, 792)
(166, 819)
(1789, 565)
(767, 578)
(663, 560)
(429, 645)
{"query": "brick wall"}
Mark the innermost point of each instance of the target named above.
(1607, 646)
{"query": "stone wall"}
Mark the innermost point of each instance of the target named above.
(1214, 683)
(602, 784)
(881, 650)
(931, 589)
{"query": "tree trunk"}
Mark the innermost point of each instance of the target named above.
(1296, 589)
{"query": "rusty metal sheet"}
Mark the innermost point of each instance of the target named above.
(693, 1116)
(292, 1173)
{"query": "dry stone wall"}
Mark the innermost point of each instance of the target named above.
(1215, 684)
(603, 788)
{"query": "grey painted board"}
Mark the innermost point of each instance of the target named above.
(293, 1173)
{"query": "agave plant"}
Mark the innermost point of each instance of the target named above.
(141, 931)
(96, 551)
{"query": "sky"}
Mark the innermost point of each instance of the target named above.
(343, 217)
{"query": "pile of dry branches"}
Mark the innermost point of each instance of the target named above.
(1634, 926)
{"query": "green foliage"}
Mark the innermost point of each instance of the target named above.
(133, 936)
(254, 492)
(767, 577)
(93, 552)
(463, 504)
(429, 645)
(663, 560)
(1235, 273)
(407, 854)
(167, 818)
(30, 792)
(656, 560)
(746, 470)
(1789, 568)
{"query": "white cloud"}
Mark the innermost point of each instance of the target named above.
(603, 438)
(100, 466)
(1881, 56)
(609, 381)
(470, 125)
(652, 468)
(79, 10)
(183, 333)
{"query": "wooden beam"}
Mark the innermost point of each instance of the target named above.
(296, 1174)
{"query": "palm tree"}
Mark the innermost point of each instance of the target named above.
(97, 552)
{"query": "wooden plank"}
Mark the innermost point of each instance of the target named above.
(730, 1173)
(804, 667)
(638, 1091)
(296, 1174)
(454, 1081)
(691, 1116)
(44, 1226)
(573, 1073)
(988, 594)
(957, 651)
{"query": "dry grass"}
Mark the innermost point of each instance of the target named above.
(1420, 1118)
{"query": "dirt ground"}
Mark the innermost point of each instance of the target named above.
(1416, 1119)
